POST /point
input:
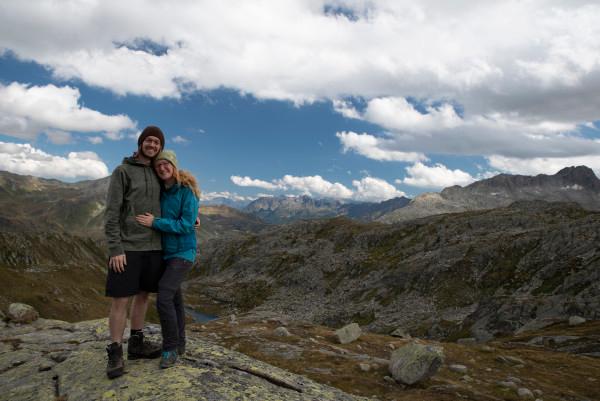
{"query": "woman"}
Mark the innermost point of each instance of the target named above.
(179, 208)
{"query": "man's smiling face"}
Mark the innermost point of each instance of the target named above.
(150, 147)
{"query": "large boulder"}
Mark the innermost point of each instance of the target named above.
(22, 313)
(415, 362)
(348, 333)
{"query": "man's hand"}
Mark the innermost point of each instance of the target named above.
(145, 219)
(117, 263)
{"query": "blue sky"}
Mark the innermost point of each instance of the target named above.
(344, 99)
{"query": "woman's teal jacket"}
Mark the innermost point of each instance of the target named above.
(179, 209)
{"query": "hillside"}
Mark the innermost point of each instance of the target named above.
(481, 274)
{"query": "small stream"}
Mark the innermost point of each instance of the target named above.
(199, 317)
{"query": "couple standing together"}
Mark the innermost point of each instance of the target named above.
(151, 211)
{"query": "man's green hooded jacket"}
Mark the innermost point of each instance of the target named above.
(134, 189)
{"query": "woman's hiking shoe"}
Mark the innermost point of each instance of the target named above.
(138, 348)
(116, 365)
(168, 359)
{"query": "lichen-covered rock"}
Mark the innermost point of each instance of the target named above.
(282, 332)
(348, 333)
(43, 361)
(400, 332)
(415, 362)
(22, 313)
(576, 320)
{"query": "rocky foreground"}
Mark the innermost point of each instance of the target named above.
(56, 360)
(274, 358)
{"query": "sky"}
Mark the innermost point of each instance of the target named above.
(352, 100)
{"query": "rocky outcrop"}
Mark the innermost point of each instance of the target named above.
(56, 360)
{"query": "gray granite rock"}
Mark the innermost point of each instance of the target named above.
(22, 313)
(415, 362)
(282, 332)
(348, 333)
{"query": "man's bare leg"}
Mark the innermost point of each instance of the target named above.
(137, 346)
(138, 310)
(117, 319)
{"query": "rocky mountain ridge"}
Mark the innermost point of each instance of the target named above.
(571, 184)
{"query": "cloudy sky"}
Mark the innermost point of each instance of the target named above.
(354, 100)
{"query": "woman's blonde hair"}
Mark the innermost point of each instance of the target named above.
(183, 177)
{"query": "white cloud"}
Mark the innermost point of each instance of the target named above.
(208, 196)
(59, 137)
(367, 189)
(95, 140)
(250, 182)
(440, 129)
(315, 186)
(26, 111)
(375, 148)
(542, 165)
(437, 176)
(25, 159)
(180, 139)
(372, 189)
(398, 114)
(523, 73)
(491, 56)
(346, 109)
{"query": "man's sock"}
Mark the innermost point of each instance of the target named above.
(136, 332)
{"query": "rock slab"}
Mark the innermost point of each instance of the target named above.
(415, 362)
(348, 333)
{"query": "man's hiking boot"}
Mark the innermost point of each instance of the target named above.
(138, 348)
(181, 350)
(116, 365)
(168, 359)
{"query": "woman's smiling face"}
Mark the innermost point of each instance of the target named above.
(164, 169)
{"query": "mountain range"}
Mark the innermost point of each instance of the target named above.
(30, 203)
(571, 184)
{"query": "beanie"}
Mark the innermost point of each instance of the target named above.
(152, 130)
(167, 155)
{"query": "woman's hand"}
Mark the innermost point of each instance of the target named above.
(145, 219)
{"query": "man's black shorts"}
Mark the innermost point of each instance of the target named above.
(142, 273)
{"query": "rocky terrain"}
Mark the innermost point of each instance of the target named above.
(571, 184)
(474, 274)
(275, 358)
(56, 360)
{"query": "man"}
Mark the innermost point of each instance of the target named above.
(135, 251)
